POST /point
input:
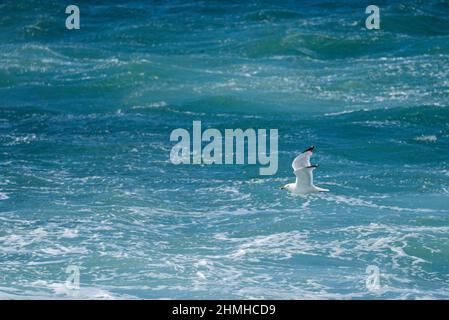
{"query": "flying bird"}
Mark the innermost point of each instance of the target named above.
(303, 171)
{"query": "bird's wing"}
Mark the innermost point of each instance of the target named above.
(303, 160)
(304, 177)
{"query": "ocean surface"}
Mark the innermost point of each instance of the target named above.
(86, 179)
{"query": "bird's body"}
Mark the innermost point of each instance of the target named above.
(303, 171)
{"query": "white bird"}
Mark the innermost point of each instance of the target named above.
(303, 171)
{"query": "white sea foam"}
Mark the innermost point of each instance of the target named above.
(69, 233)
(344, 112)
(23, 139)
(154, 105)
(61, 290)
(426, 138)
(364, 203)
(4, 196)
(60, 250)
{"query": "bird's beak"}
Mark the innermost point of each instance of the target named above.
(309, 149)
(282, 188)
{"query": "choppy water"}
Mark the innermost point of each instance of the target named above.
(85, 179)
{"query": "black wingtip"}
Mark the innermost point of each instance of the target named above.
(309, 149)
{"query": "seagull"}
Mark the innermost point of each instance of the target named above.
(303, 171)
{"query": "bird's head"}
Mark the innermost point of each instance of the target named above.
(284, 187)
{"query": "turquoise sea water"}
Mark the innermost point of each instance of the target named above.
(85, 175)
